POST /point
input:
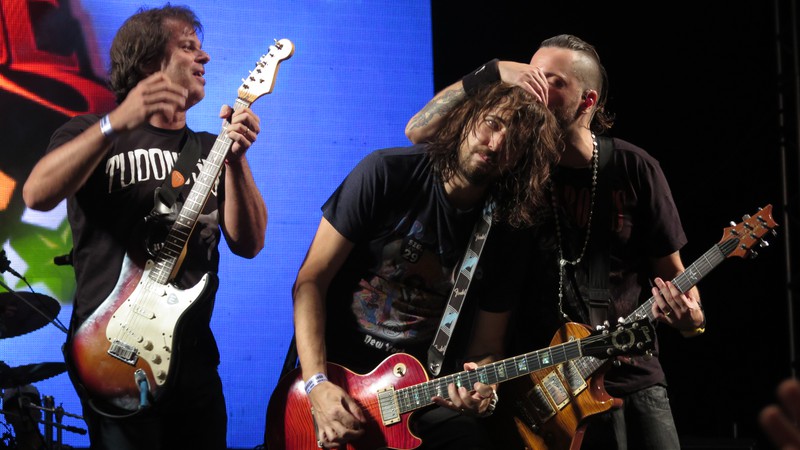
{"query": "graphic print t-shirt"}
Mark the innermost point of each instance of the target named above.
(106, 214)
(390, 293)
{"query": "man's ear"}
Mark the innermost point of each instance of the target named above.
(589, 99)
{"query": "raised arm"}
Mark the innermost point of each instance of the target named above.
(244, 213)
(61, 172)
(425, 123)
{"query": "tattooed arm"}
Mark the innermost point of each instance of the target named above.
(427, 121)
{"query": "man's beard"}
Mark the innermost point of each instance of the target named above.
(478, 175)
(566, 115)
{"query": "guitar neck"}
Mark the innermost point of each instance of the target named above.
(685, 281)
(418, 396)
(691, 276)
(170, 255)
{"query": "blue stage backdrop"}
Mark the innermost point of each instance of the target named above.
(360, 70)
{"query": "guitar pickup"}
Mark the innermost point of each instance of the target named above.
(146, 313)
(123, 352)
(387, 401)
(570, 372)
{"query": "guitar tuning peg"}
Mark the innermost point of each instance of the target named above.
(762, 243)
(648, 355)
(774, 233)
(620, 320)
(277, 44)
(753, 254)
(746, 216)
(617, 363)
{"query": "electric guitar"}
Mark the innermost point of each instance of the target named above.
(399, 386)
(552, 405)
(125, 354)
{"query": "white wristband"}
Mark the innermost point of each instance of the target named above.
(105, 127)
(314, 381)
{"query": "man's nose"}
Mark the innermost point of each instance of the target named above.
(495, 140)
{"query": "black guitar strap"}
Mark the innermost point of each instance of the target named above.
(594, 288)
(166, 195)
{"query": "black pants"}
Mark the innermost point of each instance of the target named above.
(194, 417)
(444, 429)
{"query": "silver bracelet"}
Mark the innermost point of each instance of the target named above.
(105, 127)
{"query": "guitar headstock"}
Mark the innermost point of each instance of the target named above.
(261, 80)
(739, 239)
(631, 338)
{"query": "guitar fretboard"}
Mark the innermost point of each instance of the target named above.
(691, 276)
(417, 396)
(170, 255)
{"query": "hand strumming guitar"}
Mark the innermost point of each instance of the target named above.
(338, 417)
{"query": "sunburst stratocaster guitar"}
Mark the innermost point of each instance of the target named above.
(125, 354)
(399, 386)
(552, 405)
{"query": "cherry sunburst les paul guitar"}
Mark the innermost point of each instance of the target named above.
(125, 354)
(551, 409)
(399, 386)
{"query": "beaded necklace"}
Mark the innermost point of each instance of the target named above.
(562, 263)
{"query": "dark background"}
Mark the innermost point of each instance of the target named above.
(709, 89)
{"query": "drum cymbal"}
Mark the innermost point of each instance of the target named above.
(29, 373)
(18, 317)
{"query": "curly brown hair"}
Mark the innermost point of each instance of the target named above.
(533, 139)
(141, 44)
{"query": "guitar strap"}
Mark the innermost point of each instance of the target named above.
(468, 264)
(593, 285)
(164, 210)
(165, 196)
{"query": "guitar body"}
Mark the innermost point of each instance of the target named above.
(125, 355)
(399, 385)
(136, 327)
(552, 405)
(290, 425)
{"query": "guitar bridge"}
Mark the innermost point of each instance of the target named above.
(123, 352)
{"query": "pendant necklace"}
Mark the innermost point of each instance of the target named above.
(562, 263)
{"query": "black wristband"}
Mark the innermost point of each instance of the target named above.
(483, 76)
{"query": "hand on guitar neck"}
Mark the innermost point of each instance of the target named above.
(399, 386)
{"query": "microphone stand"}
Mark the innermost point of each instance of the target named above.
(52, 420)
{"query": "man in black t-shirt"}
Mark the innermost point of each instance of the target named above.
(618, 219)
(380, 269)
(108, 170)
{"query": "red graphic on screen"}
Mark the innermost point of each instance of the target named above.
(46, 77)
